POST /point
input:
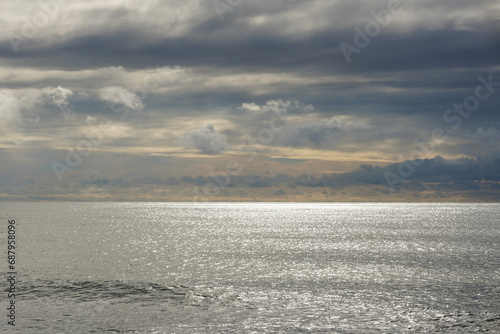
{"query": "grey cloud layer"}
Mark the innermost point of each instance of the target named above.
(295, 32)
(191, 80)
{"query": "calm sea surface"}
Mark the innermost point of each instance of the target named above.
(254, 268)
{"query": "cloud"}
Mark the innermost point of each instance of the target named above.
(322, 133)
(298, 36)
(259, 63)
(15, 108)
(9, 108)
(120, 95)
(440, 173)
(480, 142)
(278, 107)
(487, 136)
(207, 140)
(58, 95)
(252, 107)
(91, 120)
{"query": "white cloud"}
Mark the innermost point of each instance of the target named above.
(253, 107)
(91, 120)
(120, 95)
(17, 107)
(278, 107)
(9, 108)
(207, 140)
(59, 97)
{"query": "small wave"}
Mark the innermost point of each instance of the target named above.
(122, 291)
(461, 321)
(467, 321)
(101, 306)
(105, 290)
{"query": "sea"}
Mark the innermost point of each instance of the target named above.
(252, 267)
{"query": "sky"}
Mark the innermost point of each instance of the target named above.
(239, 99)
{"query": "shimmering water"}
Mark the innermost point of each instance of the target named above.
(255, 267)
